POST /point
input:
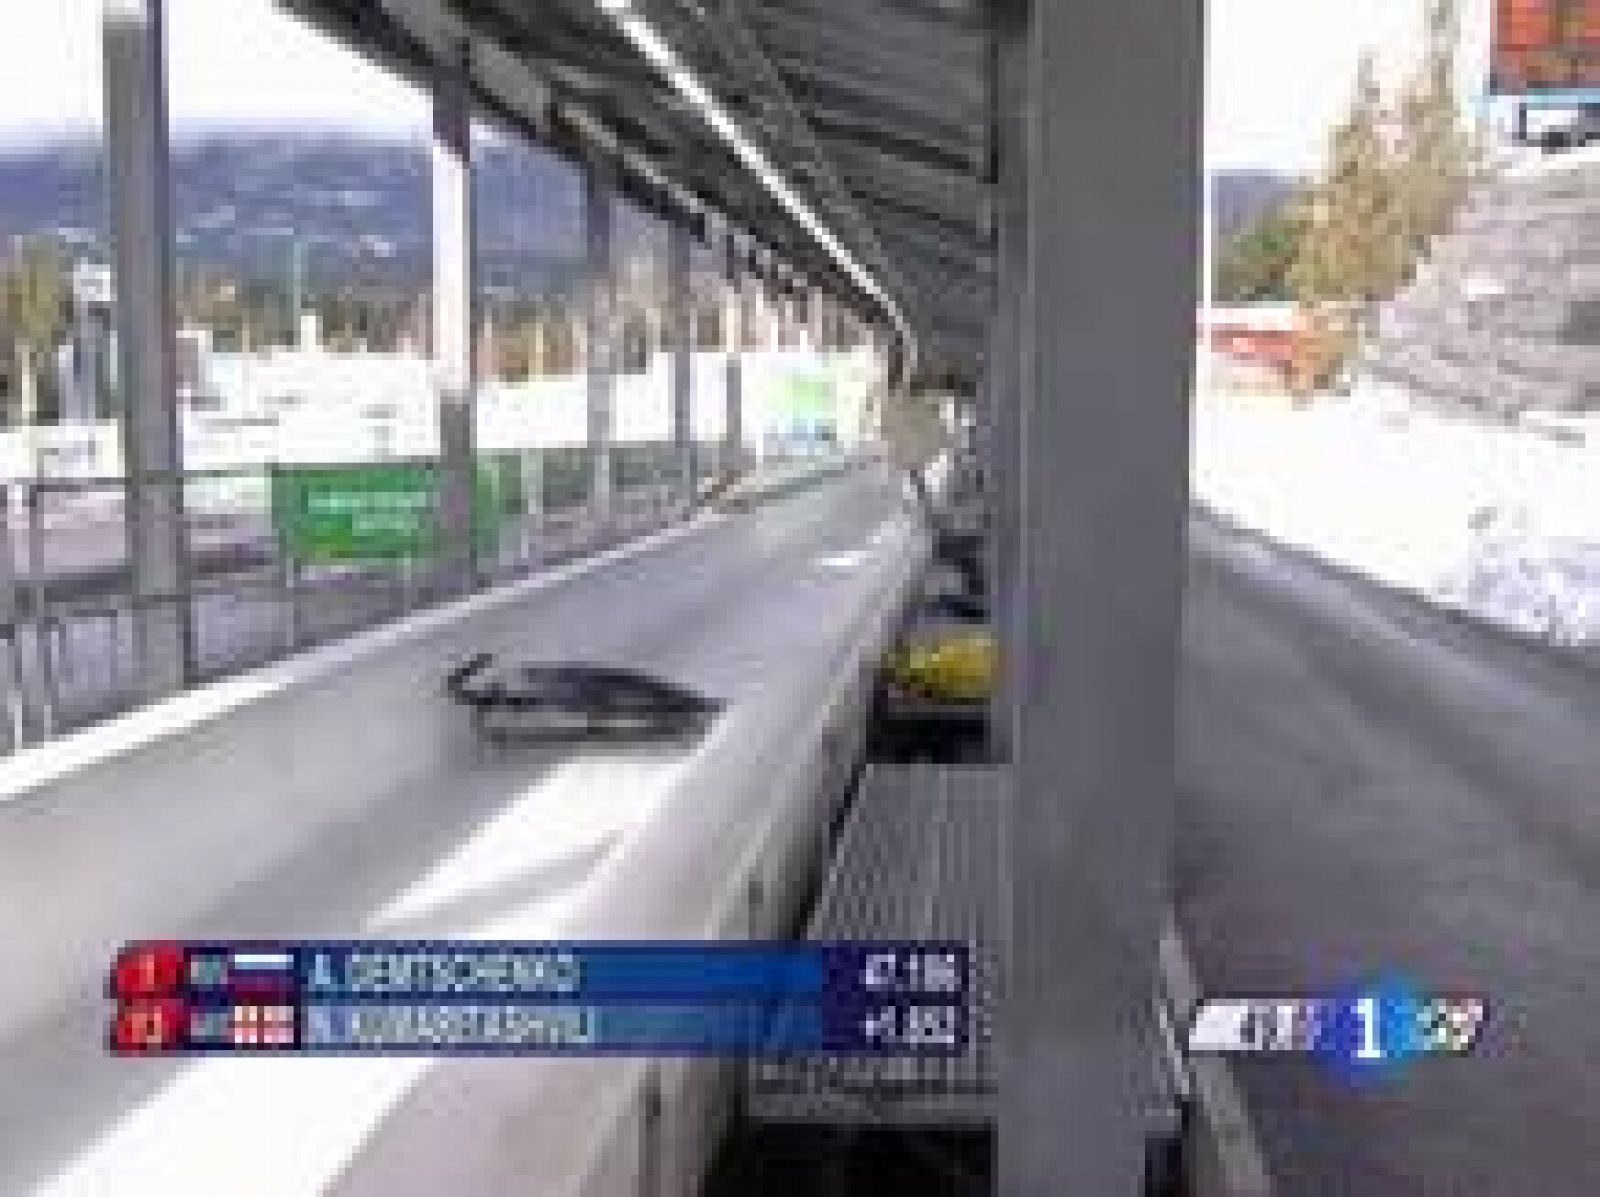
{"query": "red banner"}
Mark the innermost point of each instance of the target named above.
(1546, 45)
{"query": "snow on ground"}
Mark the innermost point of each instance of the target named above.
(1501, 522)
(1527, 162)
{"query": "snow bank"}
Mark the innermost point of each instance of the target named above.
(1501, 522)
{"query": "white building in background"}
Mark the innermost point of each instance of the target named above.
(306, 404)
(87, 364)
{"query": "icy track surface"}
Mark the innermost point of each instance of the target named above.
(1502, 523)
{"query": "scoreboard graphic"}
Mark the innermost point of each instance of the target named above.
(1545, 47)
(855, 998)
(1362, 1031)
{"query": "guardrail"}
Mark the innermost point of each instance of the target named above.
(67, 649)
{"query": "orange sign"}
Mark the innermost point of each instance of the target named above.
(1545, 45)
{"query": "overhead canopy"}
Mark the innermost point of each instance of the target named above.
(869, 118)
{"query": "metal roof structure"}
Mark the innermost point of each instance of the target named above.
(851, 138)
(898, 156)
(1012, 188)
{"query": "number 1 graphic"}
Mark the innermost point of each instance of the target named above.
(1367, 1012)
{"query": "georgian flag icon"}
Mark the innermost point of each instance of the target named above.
(147, 1027)
(262, 1026)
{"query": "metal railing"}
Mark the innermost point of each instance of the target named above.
(68, 654)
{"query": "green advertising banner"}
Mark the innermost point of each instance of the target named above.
(807, 395)
(385, 512)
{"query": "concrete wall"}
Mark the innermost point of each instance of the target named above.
(136, 825)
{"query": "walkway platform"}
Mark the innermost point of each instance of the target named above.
(922, 856)
(919, 858)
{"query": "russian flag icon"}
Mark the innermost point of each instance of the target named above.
(261, 972)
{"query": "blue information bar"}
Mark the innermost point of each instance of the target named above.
(480, 997)
(550, 972)
(784, 1027)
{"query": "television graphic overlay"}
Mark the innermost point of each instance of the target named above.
(479, 997)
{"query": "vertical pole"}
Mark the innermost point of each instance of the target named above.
(817, 318)
(39, 610)
(141, 233)
(600, 337)
(754, 292)
(774, 305)
(1204, 371)
(801, 314)
(1113, 191)
(11, 619)
(793, 310)
(770, 294)
(533, 501)
(297, 290)
(680, 330)
(770, 299)
(1003, 464)
(762, 336)
(738, 332)
(453, 301)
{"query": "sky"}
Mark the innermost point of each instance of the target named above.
(1279, 71)
(230, 63)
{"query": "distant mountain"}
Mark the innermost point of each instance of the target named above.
(359, 207)
(1243, 195)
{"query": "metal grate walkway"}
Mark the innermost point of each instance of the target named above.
(919, 858)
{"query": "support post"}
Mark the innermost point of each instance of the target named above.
(600, 336)
(453, 314)
(780, 313)
(1003, 375)
(738, 334)
(1108, 329)
(817, 317)
(782, 304)
(680, 330)
(152, 453)
(760, 308)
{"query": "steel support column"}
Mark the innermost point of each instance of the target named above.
(782, 283)
(763, 328)
(1107, 324)
(454, 298)
(777, 305)
(680, 331)
(1003, 374)
(736, 335)
(141, 234)
(600, 334)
